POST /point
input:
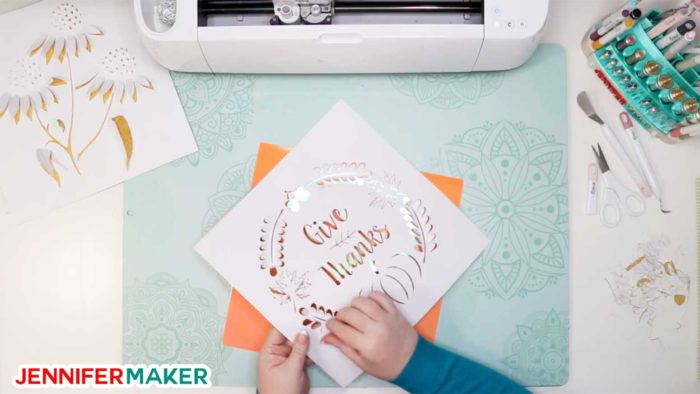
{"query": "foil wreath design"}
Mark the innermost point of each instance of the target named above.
(396, 277)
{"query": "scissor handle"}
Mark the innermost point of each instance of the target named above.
(610, 213)
(618, 197)
(634, 204)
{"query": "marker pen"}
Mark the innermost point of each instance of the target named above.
(689, 131)
(668, 23)
(626, 43)
(613, 34)
(689, 63)
(641, 156)
(669, 38)
(615, 19)
(679, 45)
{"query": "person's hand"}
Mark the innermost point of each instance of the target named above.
(374, 335)
(282, 364)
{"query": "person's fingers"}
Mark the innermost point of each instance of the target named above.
(344, 332)
(369, 307)
(347, 350)
(274, 338)
(308, 362)
(384, 301)
(297, 357)
(280, 350)
(354, 318)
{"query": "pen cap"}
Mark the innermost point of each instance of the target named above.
(687, 26)
(626, 120)
(688, 63)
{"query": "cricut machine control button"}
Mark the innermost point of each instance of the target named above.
(510, 24)
(497, 24)
(522, 23)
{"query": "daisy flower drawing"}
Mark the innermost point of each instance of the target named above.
(116, 80)
(31, 89)
(34, 92)
(70, 38)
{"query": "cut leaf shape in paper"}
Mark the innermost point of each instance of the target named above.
(271, 247)
(46, 160)
(125, 135)
(316, 316)
(420, 228)
(291, 287)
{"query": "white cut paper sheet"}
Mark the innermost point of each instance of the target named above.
(342, 172)
(80, 39)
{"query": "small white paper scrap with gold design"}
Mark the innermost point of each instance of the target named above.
(341, 215)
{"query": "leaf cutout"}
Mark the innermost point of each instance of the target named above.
(420, 227)
(125, 135)
(45, 157)
(316, 315)
(272, 244)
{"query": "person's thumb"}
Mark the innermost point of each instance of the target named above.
(297, 358)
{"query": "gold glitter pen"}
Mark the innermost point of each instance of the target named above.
(661, 82)
(687, 107)
(673, 95)
(650, 68)
(637, 56)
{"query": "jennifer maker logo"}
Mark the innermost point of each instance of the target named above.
(112, 375)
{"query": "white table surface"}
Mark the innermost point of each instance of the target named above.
(61, 276)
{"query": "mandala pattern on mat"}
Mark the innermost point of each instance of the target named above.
(169, 322)
(219, 108)
(233, 185)
(515, 191)
(537, 354)
(448, 91)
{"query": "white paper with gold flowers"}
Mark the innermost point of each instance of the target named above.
(341, 215)
(82, 105)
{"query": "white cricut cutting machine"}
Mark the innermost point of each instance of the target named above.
(340, 36)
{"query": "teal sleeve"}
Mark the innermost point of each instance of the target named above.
(435, 370)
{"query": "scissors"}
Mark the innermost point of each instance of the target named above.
(616, 197)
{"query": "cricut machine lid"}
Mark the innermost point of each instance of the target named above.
(341, 36)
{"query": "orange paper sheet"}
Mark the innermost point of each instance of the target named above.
(247, 329)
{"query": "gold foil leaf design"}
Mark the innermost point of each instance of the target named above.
(643, 282)
(670, 268)
(679, 299)
(55, 81)
(46, 161)
(36, 47)
(125, 135)
(635, 263)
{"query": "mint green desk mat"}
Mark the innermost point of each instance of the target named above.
(504, 133)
